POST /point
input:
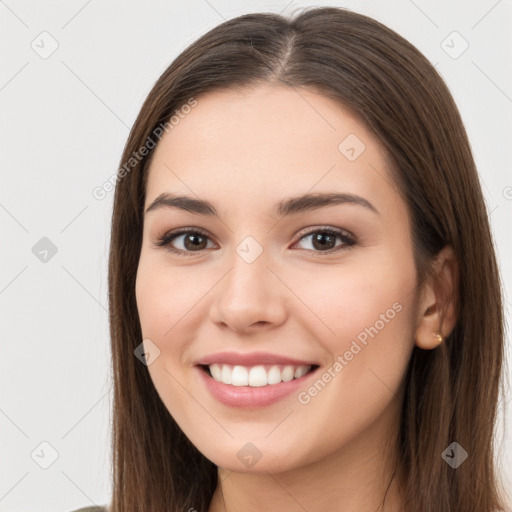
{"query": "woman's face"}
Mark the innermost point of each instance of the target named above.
(261, 292)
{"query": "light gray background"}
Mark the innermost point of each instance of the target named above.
(65, 119)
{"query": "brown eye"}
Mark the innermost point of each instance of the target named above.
(191, 241)
(324, 240)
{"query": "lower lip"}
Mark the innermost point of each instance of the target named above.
(249, 396)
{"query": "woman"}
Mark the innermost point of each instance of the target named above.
(304, 299)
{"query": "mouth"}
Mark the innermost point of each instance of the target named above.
(253, 379)
(253, 387)
(256, 376)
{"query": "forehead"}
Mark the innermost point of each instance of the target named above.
(258, 145)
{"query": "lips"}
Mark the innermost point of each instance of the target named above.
(252, 359)
(253, 380)
(252, 397)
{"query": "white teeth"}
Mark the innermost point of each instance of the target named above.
(226, 373)
(288, 373)
(256, 376)
(300, 371)
(240, 376)
(274, 375)
(216, 371)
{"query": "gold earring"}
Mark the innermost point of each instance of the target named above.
(438, 337)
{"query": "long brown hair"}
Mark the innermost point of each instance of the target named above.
(451, 393)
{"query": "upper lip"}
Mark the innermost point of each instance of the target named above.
(250, 359)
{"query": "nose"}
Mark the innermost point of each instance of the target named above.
(250, 298)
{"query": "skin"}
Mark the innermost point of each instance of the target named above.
(244, 152)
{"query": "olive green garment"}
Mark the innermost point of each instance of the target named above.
(91, 509)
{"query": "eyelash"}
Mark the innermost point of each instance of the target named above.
(348, 241)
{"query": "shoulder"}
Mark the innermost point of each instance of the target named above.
(91, 509)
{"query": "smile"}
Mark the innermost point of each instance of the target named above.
(256, 376)
(253, 386)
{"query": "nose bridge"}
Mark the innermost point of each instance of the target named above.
(249, 274)
(250, 292)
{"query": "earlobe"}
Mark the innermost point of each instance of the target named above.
(438, 306)
(428, 343)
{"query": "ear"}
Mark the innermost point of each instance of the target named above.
(437, 313)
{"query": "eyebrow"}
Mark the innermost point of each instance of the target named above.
(289, 206)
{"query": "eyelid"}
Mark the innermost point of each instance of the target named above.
(313, 229)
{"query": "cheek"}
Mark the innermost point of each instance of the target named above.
(353, 300)
(165, 303)
(364, 319)
(370, 351)
(164, 297)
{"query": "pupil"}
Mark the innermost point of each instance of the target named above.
(318, 239)
(193, 238)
